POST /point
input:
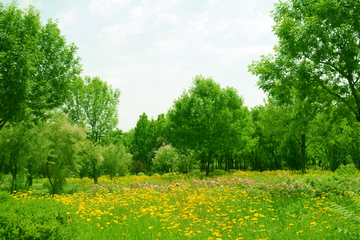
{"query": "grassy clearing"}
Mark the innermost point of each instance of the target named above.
(242, 205)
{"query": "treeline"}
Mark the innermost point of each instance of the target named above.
(56, 124)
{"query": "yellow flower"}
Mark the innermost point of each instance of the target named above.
(150, 227)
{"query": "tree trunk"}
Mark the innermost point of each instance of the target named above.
(208, 165)
(95, 171)
(303, 147)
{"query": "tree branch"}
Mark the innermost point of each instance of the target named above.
(336, 95)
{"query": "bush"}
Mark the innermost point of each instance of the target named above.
(193, 173)
(116, 160)
(141, 174)
(5, 196)
(219, 172)
(346, 170)
(166, 159)
(33, 219)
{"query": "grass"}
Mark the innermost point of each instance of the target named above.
(241, 205)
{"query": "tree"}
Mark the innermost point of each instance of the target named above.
(116, 160)
(36, 64)
(21, 147)
(93, 102)
(67, 142)
(166, 159)
(206, 116)
(149, 136)
(318, 53)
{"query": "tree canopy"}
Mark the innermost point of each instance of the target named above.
(318, 53)
(94, 103)
(36, 64)
(208, 117)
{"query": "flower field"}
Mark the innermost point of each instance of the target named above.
(241, 205)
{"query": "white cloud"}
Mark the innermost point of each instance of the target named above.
(67, 18)
(255, 25)
(170, 45)
(114, 34)
(229, 55)
(107, 7)
(198, 25)
(138, 14)
(26, 3)
(168, 17)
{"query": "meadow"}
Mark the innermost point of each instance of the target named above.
(238, 205)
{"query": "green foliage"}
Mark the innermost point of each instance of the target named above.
(22, 146)
(219, 172)
(289, 151)
(317, 54)
(141, 174)
(94, 103)
(346, 170)
(5, 197)
(147, 137)
(187, 161)
(166, 159)
(66, 143)
(209, 119)
(116, 160)
(33, 219)
(90, 160)
(37, 65)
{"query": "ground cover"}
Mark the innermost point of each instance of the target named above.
(240, 205)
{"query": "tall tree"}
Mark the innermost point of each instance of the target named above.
(93, 102)
(318, 52)
(206, 116)
(36, 64)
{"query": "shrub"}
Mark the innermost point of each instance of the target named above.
(5, 196)
(116, 160)
(33, 219)
(141, 174)
(346, 170)
(193, 173)
(166, 159)
(219, 172)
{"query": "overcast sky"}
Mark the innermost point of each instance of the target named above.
(152, 49)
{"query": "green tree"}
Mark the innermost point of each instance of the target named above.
(93, 102)
(206, 116)
(36, 64)
(21, 147)
(166, 159)
(317, 54)
(149, 136)
(67, 142)
(116, 160)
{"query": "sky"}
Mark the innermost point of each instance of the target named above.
(152, 49)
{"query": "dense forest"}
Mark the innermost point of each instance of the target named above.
(56, 124)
